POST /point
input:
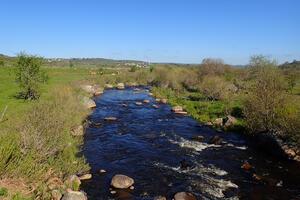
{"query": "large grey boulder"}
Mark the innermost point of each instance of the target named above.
(121, 181)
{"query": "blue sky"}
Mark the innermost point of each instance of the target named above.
(183, 31)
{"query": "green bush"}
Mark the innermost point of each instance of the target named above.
(29, 76)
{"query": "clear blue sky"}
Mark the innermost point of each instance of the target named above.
(152, 30)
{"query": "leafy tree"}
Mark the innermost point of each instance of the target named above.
(29, 75)
(1, 62)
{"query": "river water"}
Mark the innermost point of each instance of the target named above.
(150, 145)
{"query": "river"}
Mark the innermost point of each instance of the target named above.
(151, 145)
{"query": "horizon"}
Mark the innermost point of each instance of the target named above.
(157, 32)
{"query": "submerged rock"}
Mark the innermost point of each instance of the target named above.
(146, 101)
(155, 106)
(217, 140)
(121, 181)
(138, 103)
(110, 118)
(160, 198)
(184, 196)
(198, 138)
(74, 195)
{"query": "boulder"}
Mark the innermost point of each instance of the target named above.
(110, 118)
(121, 181)
(184, 196)
(198, 138)
(164, 101)
(88, 88)
(89, 103)
(230, 121)
(98, 91)
(121, 86)
(160, 198)
(56, 195)
(73, 182)
(217, 140)
(218, 122)
(74, 195)
(146, 101)
(77, 131)
(108, 86)
(246, 166)
(177, 109)
(85, 177)
(289, 151)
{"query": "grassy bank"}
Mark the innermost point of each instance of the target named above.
(35, 140)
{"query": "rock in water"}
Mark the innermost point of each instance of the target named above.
(184, 196)
(98, 91)
(138, 103)
(110, 118)
(217, 140)
(121, 86)
(198, 138)
(164, 101)
(177, 109)
(121, 181)
(74, 195)
(160, 198)
(85, 177)
(109, 86)
(246, 166)
(146, 101)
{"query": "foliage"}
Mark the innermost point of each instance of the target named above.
(29, 76)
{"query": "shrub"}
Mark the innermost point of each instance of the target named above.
(29, 76)
(268, 107)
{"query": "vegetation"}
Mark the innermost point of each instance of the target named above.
(29, 75)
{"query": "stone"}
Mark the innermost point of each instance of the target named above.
(73, 182)
(217, 140)
(155, 106)
(198, 138)
(109, 86)
(56, 195)
(85, 177)
(77, 131)
(181, 112)
(146, 101)
(230, 121)
(102, 171)
(131, 187)
(150, 94)
(88, 88)
(208, 124)
(160, 198)
(110, 118)
(246, 166)
(98, 91)
(157, 100)
(218, 122)
(121, 181)
(74, 195)
(297, 158)
(164, 101)
(138, 103)
(120, 86)
(184, 196)
(89, 103)
(177, 109)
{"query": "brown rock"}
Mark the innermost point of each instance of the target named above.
(74, 195)
(230, 121)
(85, 177)
(110, 118)
(121, 181)
(121, 86)
(77, 131)
(218, 122)
(184, 196)
(246, 166)
(177, 109)
(164, 101)
(217, 140)
(146, 101)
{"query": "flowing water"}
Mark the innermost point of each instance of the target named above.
(150, 145)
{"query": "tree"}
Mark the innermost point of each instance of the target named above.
(29, 76)
(1, 62)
